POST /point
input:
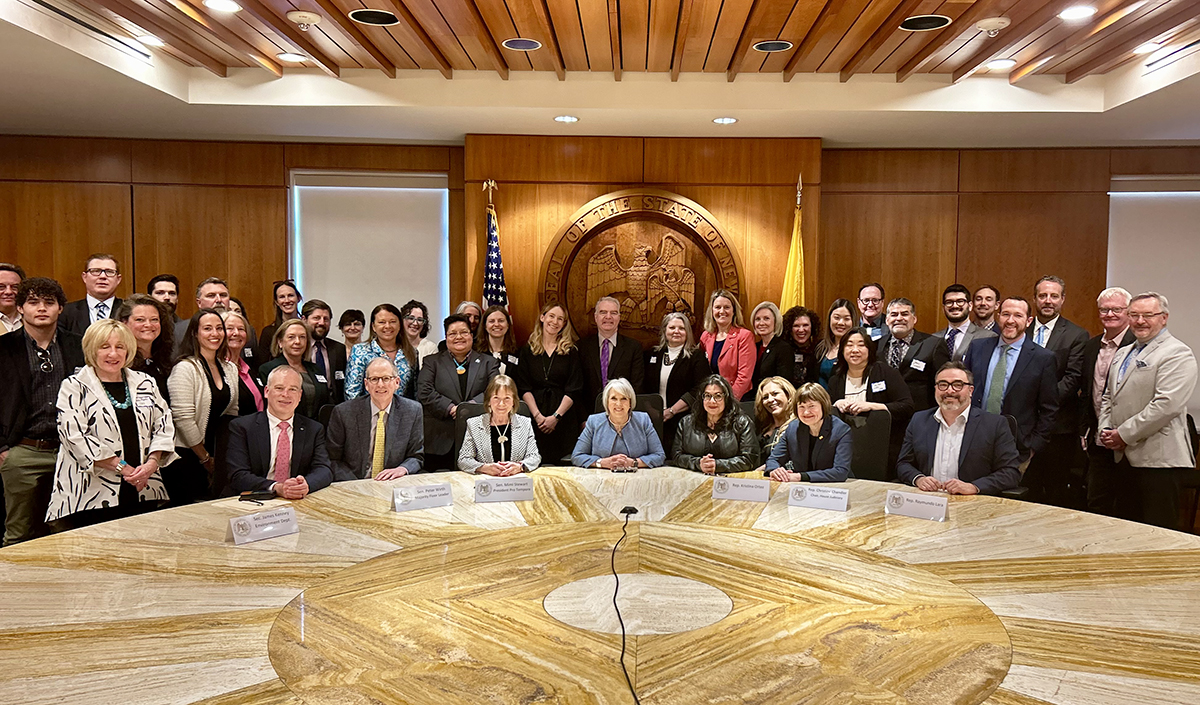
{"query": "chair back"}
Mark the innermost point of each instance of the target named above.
(469, 410)
(324, 413)
(651, 404)
(870, 434)
(1019, 492)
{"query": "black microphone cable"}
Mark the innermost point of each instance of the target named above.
(627, 511)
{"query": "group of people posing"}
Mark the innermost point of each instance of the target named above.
(111, 407)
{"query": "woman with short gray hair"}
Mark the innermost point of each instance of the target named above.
(620, 439)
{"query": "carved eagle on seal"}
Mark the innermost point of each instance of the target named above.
(643, 283)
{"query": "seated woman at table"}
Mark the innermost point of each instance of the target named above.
(115, 431)
(816, 447)
(501, 441)
(620, 438)
(716, 438)
(773, 411)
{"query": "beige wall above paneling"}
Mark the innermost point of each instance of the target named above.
(890, 170)
(689, 160)
(1021, 170)
(367, 157)
(544, 159)
(210, 163)
(1156, 160)
(64, 159)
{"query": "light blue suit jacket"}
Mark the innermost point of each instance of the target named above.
(637, 440)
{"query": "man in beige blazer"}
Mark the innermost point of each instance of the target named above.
(1143, 420)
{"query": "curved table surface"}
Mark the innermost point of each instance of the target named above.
(160, 608)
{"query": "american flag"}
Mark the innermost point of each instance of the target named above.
(495, 293)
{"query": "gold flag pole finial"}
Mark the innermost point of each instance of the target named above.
(489, 186)
(799, 188)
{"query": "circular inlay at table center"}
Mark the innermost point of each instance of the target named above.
(650, 604)
(463, 621)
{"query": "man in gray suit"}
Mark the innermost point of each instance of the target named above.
(1143, 420)
(956, 304)
(448, 378)
(379, 435)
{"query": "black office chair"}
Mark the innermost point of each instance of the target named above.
(870, 434)
(469, 410)
(1020, 491)
(1191, 482)
(324, 413)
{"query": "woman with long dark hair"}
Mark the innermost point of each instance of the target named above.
(149, 319)
(386, 340)
(414, 317)
(287, 300)
(497, 338)
(839, 321)
(716, 438)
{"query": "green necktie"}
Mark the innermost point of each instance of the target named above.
(996, 392)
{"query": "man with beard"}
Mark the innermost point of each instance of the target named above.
(164, 288)
(956, 305)
(918, 356)
(329, 358)
(984, 305)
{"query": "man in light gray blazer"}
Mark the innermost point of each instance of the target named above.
(1143, 420)
(956, 305)
(354, 428)
(451, 377)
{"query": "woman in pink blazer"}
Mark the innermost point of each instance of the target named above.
(726, 333)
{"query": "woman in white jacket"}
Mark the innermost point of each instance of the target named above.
(116, 432)
(500, 442)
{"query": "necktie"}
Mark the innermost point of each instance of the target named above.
(101, 311)
(377, 456)
(950, 338)
(605, 351)
(283, 454)
(996, 392)
(896, 354)
(1125, 364)
(319, 358)
(1040, 337)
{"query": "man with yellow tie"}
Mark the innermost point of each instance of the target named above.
(380, 435)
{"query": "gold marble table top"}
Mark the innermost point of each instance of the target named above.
(161, 609)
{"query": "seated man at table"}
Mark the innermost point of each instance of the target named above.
(277, 449)
(958, 448)
(380, 435)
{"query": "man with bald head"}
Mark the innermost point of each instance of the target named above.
(278, 450)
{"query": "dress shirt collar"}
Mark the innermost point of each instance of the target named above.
(961, 421)
(92, 301)
(12, 322)
(1014, 345)
(274, 422)
(908, 338)
(1114, 341)
(612, 340)
(962, 327)
(376, 410)
(1048, 324)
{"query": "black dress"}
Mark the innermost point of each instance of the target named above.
(549, 379)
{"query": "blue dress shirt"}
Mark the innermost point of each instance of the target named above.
(1014, 351)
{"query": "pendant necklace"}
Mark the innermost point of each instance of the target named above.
(462, 368)
(502, 439)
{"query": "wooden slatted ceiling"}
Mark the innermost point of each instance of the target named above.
(848, 37)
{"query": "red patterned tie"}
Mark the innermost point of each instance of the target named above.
(283, 454)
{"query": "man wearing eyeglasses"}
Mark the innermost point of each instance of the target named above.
(870, 309)
(958, 336)
(33, 363)
(1143, 420)
(380, 435)
(101, 277)
(1113, 305)
(956, 448)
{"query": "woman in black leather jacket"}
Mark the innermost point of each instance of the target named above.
(716, 438)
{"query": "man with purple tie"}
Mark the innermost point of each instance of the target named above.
(608, 355)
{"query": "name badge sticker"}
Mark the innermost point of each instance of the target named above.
(422, 497)
(653, 359)
(145, 400)
(817, 497)
(877, 387)
(918, 506)
(262, 525)
(321, 379)
(745, 490)
(504, 489)
(512, 359)
(918, 365)
(339, 375)
(247, 352)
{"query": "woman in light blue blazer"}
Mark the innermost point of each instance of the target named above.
(620, 438)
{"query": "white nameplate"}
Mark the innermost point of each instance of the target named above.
(918, 506)
(422, 497)
(504, 489)
(266, 524)
(918, 365)
(817, 497)
(736, 488)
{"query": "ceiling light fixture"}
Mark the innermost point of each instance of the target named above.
(725, 120)
(772, 45)
(566, 118)
(521, 44)
(1077, 12)
(991, 26)
(303, 19)
(292, 57)
(151, 41)
(374, 18)
(1000, 64)
(1148, 48)
(924, 23)
(222, 5)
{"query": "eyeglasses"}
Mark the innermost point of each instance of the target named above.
(1145, 316)
(957, 385)
(414, 319)
(714, 397)
(459, 334)
(96, 272)
(955, 303)
(380, 380)
(873, 302)
(1113, 311)
(46, 363)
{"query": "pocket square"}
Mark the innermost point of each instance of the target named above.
(1141, 364)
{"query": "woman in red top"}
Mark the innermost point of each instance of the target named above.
(728, 344)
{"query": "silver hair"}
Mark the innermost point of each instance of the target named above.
(282, 369)
(770, 306)
(226, 315)
(621, 386)
(1162, 300)
(383, 360)
(1112, 291)
(609, 299)
(462, 306)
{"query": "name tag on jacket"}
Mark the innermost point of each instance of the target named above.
(918, 365)
(878, 387)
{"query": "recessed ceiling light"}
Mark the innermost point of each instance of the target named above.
(924, 23)
(566, 118)
(521, 44)
(1077, 12)
(151, 41)
(772, 45)
(375, 18)
(1000, 64)
(725, 120)
(222, 5)
(1148, 48)
(289, 56)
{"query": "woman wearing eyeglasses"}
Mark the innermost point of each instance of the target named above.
(414, 316)
(448, 379)
(716, 438)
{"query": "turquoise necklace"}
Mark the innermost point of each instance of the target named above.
(120, 405)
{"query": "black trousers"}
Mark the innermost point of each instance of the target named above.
(1147, 495)
(1055, 474)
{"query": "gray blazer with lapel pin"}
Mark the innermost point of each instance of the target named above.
(438, 390)
(349, 438)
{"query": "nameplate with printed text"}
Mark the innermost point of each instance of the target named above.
(504, 489)
(918, 506)
(817, 497)
(422, 497)
(262, 525)
(745, 490)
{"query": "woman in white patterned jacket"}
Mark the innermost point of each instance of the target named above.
(116, 432)
(500, 442)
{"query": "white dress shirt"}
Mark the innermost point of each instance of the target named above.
(664, 371)
(273, 424)
(9, 324)
(93, 301)
(1048, 325)
(949, 444)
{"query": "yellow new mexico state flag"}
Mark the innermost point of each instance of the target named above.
(793, 278)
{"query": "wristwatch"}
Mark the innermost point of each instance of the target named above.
(557, 415)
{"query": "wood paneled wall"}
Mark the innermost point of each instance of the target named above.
(749, 185)
(194, 209)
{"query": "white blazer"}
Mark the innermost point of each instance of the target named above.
(191, 399)
(477, 443)
(88, 430)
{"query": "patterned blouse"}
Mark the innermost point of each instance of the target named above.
(356, 371)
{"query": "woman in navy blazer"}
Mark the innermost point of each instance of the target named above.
(816, 446)
(620, 438)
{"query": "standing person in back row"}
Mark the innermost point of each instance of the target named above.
(956, 305)
(608, 355)
(551, 383)
(101, 277)
(727, 343)
(870, 309)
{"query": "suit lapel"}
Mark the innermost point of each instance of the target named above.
(89, 378)
(1022, 362)
(968, 434)
(299, 439)
(262, 444)
(803, 438)
(473, 368)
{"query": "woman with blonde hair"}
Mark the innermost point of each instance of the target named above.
(674, 369)
(728, 345)
(550, 378)
(291, 345)
(500, 442)
(773, 411)
(817, 446)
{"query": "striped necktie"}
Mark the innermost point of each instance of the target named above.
(377, 457)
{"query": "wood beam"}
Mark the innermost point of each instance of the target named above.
(965, 23)
(408, 19)
(199, 16)
(831, 9)
(744, 41)
(356, 35)
(1013, 36)
(614, 36)
(468, 10)
(1184, 12)
(681, 31)
(292, 33)
(878, 38)
(159, 29)
(543, 14)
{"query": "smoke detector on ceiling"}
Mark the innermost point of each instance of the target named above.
(304, 19)
(992, 25)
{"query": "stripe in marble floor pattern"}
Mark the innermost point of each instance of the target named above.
(699, 507)
(272, 692)
(1014, 576)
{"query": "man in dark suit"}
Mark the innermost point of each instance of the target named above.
(101, 277)
(978, 454)
(1098, 355)
(1016, 378)
(961, 332)
(918, 356)
(608, 354)
(448, 378)
(277, 450)
(354, 430)
(1056, 475)
(34, 360)
(330, 358)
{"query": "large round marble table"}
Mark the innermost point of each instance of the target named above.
(1005, 603)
